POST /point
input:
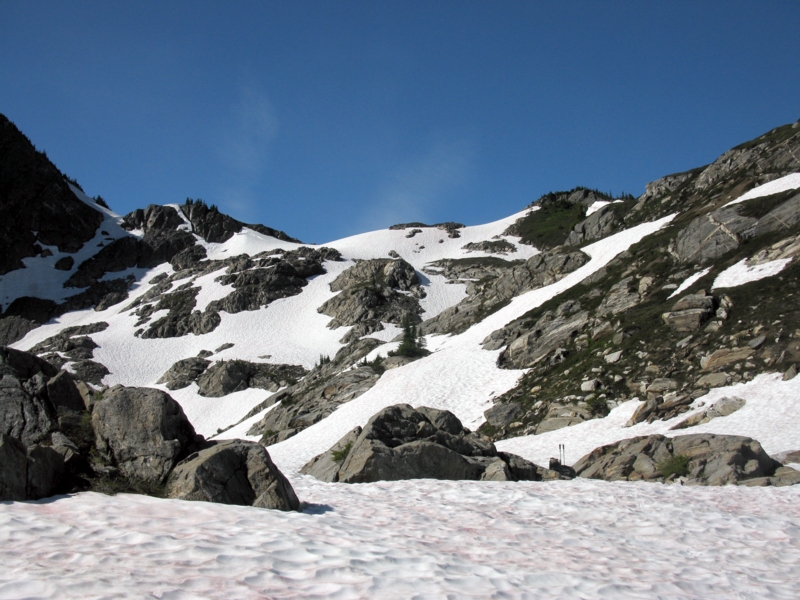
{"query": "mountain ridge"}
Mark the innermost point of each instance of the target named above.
(551, 319)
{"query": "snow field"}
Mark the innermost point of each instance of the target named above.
(782, 184)
(769, 416)
(412, 539)
(458, 376)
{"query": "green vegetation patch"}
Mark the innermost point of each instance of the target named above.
(677, 465)
(339, 455)
(550, 225)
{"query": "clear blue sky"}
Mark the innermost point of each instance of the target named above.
(328, 118)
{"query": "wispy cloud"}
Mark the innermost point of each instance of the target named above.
(415, 189)
(248, 131)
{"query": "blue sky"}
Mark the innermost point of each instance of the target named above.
(325, 119)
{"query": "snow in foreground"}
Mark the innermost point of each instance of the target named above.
(413, 539)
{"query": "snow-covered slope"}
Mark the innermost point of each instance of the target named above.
(428, 538)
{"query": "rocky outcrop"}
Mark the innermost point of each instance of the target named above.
(491, 247)
(712, 235)
(226, 377)
(214, 226)
(259, 280)
(536, 343)
(373, 292)
(143, 432)
(329, 384)
(450, 227)
(699, 459)
(721, 408)
(307, 403)
(401, 442)
(690, 312)
(182, 373)
(497, 283)
(32, 394)
(38, 206)
(232, 472)
(599, 224)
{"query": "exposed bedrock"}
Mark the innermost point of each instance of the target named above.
(38, 206)
(497, 283)
(401, 442)
(698, 459)
(373, 292)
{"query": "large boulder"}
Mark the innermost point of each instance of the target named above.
(401, 442)
(13, 469)
(690, 312)
(28, 473)
(698, 459)
(32, 395)
(142, 431)
(232, 472)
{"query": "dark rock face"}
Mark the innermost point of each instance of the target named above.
(13, 469)
(405, 443)
(142, 431)
(257, 281)
(233, 472)
(26, 409)
(370, 295)
(226, 377)
(14, 328)
(36, 198)
(213, 226)
(184, 372)
(709, 460)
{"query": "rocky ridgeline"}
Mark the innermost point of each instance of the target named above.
(58, 436)
(620, 334)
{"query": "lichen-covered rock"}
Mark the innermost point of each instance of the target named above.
(142, 431)
(405, 443)
(705, 459)
(232, 472)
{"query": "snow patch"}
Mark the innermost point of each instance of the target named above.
(742, 273)
(788, 182)
(689, 282)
